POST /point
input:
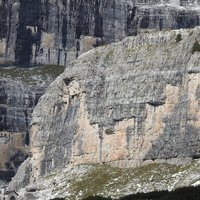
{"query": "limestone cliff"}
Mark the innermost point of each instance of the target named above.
(20, 90)
(125, 104)
(57, 31)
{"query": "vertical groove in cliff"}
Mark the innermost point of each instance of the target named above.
(3, 20)
(28, 32)
(98, 30)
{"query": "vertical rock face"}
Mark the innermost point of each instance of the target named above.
(15, 98)
(126, 104)
(56, 31)
(20, 91)
(16, 105)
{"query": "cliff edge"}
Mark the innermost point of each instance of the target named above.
(125, 104)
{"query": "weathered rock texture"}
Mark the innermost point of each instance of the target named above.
(19, 93)
(56, 31)
(126, 104)
(84, 181)
(16, 105)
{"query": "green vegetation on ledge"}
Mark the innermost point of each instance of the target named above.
(187, 193)
(32, 75)
(196, 47)
(178, 38)
(106, 181)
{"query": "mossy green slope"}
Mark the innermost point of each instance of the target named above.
(102, 180)
(31, 75)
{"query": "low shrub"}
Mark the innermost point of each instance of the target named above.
(178, 38)
(196, 47)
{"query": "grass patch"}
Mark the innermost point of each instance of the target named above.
(109, 54)
(94, 182)
(103, 181)
(196, 47)
(178, 38)
(32, 75)
(104, 178)
(186, 193)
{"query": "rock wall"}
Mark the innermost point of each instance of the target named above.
(16, 105)
(57, 31)
(125, 104)
(20, 91)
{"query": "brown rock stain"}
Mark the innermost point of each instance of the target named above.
(86, 140)
(194, 104)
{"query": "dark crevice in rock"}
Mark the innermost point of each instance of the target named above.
(101, 137)
(28, 32)
(64, 31)
(58, 61)
(98, 30)
(196, 157)
(26, 137)
(186, 21)
(3, 119)
(3, 20)
(144, 23)
(67, 81)
(23, 50)
(6, 175)
(45, 12)
(29, 13)
(82, 23)
(156, 103)
(9, 5)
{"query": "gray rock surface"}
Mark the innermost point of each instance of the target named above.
(16, 105)
(20, 90)
(125, 104)
(55, 31)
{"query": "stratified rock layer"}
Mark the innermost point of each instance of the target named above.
(20, 90)
(126, 104)
(57, 31)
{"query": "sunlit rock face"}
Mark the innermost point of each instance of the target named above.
(55, 32)
(126, 104)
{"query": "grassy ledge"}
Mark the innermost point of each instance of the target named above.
(32, 75)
